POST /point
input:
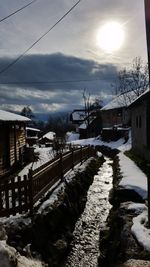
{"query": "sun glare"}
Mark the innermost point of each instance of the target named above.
(110, 36)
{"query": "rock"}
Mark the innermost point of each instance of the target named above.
(135, 263)
(61, 246)
(3, 235)
(7, 255)
(25, 262)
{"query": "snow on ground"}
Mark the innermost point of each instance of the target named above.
(45, 155)
(68, 177)
(133, 177)
(98, 142)
(10, 257)
(71, 136)
(139, 228)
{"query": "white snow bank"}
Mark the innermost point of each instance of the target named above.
(137, 207)
(99, 154)
(49, 135)
(96, 141)
(45, 154)
(68, 177)
(25, 262)
(71, 136)
(9, 256)
(140, 231)
(133, 177)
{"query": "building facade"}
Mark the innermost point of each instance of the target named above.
(12, 140)
(140, 124)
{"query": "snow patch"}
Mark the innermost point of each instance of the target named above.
(133, 177)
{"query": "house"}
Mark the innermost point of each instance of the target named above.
(88, 124)
(32, 136)
(47, 139)
(140, 125)
(77, 117)
(12, 140)
(90, 127)
(116, 112)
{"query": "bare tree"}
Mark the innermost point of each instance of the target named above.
(87, 107)
(133, 82)
(91, 109)
(27, 112)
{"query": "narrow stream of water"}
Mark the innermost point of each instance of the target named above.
(85, 245)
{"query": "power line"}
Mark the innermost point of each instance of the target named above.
(16, 11)
(43, 35)
(51, 82)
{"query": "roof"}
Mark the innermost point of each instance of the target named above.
(85, 124)
(12, 117)
(49, 135)
(120, 101)
(138, 100)
(32, 129)
(78, 115)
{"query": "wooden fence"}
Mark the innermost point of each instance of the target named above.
(19, 194)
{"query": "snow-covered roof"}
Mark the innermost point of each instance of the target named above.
(86, 123)
(32, 129)
(78, 115)
(83, 126)
(120, 101)
(49, 135)
(9, 116)
(145, 94)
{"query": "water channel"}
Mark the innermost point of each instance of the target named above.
(85, 245)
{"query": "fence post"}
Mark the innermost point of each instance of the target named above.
(72, 158)
(61, 168)
(1, 200)
(81, 155)
(30, 191)
(148, 193)
(88, 152)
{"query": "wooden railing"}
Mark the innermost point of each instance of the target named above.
(19, 194)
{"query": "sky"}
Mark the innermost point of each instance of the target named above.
(68, 57)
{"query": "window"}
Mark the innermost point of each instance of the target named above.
(138, 121)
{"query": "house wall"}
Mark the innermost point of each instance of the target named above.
(12, 142)
(4, 149)
(140, 130)
(17, 141)
(115, 117)
(111, 118)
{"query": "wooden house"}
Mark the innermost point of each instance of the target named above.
(12, 140)
(32, 136)
(77, 117)
(88, 124)
(116, 112)
(140, 125)
(48, 139)
(90, 128)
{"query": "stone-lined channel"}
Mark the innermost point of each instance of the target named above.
(85, 245)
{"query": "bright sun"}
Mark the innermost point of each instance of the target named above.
(110, 36)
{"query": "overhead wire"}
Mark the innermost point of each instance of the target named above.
(43, 35)
(16, 11)
(51, 82)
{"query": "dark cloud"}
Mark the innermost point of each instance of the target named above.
(53, 67)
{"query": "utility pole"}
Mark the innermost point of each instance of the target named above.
(147, 21)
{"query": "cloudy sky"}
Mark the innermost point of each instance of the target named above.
(53, 74)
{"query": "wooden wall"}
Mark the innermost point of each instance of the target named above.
(12, 142)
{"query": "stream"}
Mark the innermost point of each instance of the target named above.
(85, 245)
